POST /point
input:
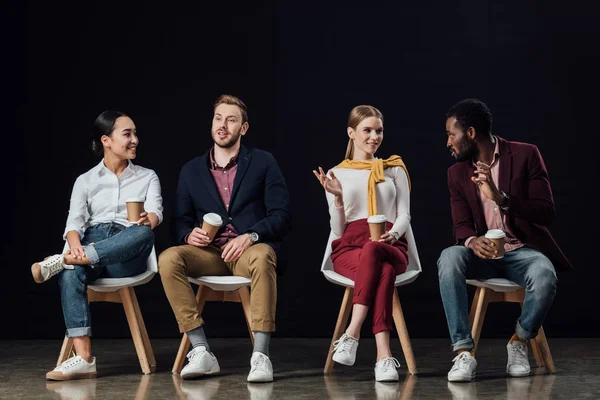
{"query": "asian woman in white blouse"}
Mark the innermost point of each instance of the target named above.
(360, 187)
(101, 241)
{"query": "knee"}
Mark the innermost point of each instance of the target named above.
(453, 261)
(144, 233)
(543, 277)
(372, 248)
(262, 259)
(169, 261)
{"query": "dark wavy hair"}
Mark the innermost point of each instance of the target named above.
(472, 113)
(104, 125)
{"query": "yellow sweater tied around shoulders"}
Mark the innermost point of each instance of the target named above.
(376, 176)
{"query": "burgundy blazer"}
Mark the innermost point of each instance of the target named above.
(523, 176)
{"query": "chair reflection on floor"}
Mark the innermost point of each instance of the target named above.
(339, 389)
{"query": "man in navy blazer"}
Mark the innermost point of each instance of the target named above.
(502, 186)
(244, 191)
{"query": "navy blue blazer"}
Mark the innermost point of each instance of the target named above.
(260, 201)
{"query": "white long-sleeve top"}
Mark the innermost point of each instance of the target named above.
(99, 196)
(393, 198)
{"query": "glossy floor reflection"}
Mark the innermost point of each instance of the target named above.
(298, 367)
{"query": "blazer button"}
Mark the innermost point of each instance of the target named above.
(231, 219)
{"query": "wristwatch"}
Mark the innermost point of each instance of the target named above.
(253, 236)
(395, 234)
(504, 201)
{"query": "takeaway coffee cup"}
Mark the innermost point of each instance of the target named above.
(376, 226)
(497, 236)
(211, 224)
(135, 206)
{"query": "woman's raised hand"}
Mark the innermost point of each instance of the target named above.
(330, 184)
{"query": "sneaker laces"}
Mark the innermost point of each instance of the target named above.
(517, 354)
(196, 353)
(346, 344)
(462, 360)
(54, 265)
(260, 362)
(389, 362)
(71, 362)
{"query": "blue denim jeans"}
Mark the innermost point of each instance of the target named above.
(524, 266)
(118, 251)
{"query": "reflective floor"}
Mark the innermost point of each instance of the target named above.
(298, 365)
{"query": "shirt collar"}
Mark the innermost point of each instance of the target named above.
(496, 152)
(100, 168)
(213, 164)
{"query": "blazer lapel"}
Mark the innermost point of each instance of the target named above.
(243, 163)
(209, 182)
(505, 166)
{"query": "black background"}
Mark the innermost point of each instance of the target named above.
(300, 68)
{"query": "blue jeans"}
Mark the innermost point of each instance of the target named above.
(117, 252)
(524, 266)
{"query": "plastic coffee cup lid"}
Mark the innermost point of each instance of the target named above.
(376, 219)
(213, 219)
(135, 200)
(495, 234)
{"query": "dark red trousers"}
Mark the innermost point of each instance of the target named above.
(373, 267)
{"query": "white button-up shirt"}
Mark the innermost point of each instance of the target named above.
(99, 196)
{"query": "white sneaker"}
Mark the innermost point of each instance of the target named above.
(44, 270)
(518, 362)
(344, 350)
(201, 363)
(385, 370)
(261, 369)
(73, 368)
(463, 369)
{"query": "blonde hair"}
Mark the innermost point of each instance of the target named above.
(234, 101)
(357, 115)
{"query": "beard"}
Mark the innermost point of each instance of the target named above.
(228, 142)
(466, 150)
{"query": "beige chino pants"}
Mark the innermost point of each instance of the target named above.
(257, 263)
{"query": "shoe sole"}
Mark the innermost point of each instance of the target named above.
(388, 380)
(348, 363)
(36, 271)
(199, 375)
(518, 374)
(462, 378)
(260, 380)
(63, 377)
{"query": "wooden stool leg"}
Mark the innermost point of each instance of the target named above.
(535, 348)
(127, 295)
(244, 293)
(65, 350)
(339, 327)
(400, 323)
(479, 316)
(144, 333)
(542, 343)
(473, 307)
(185, 342)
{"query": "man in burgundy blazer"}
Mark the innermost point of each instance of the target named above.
(496, 184)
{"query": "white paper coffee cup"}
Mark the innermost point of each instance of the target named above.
(377, 226)
(211, 224)
(497, 236)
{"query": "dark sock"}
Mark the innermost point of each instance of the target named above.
(261, 342)
(198, 338)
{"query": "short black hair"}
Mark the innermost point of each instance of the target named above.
(472, 112)
(104, 125)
